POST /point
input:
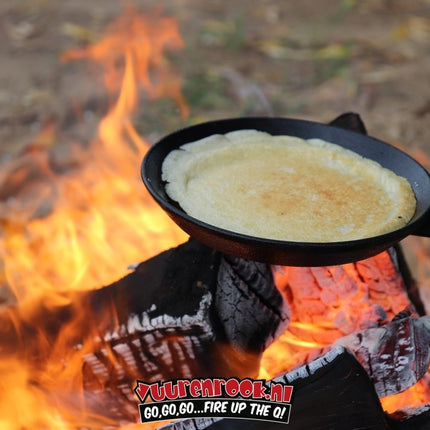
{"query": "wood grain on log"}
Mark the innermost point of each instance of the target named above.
(188, 312)
(260, 312)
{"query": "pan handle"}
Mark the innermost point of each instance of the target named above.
(424, 229)
(350, 121)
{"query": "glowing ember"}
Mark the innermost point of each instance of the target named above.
(329, 303)
(415, 396)
(347, 302)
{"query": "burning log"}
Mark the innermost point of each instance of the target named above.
(198, 302)
(204, 314)
(396, 355)
(331, 392)
(417, 419)
(328, 303)
(188, 312)
(260, 313)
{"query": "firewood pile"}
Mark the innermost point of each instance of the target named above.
(194, 312)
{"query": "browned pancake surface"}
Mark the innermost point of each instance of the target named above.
(285, 188)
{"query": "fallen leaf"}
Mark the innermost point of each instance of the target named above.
(78, 32)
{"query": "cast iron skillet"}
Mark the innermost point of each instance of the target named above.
(285, 252)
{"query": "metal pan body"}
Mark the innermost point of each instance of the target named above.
(286, 252)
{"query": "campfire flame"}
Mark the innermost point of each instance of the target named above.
(103, 219)
(81, 228)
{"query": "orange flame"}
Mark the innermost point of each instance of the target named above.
(103, 220)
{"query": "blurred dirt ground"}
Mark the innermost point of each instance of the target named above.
(304, 59)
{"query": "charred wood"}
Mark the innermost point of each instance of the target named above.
(332, 392)
(260, 312)
(365, 301)
(188, 312)
(328, 303)
(396, 355)
(413, 420)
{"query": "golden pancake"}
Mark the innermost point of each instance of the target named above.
(286, 188)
